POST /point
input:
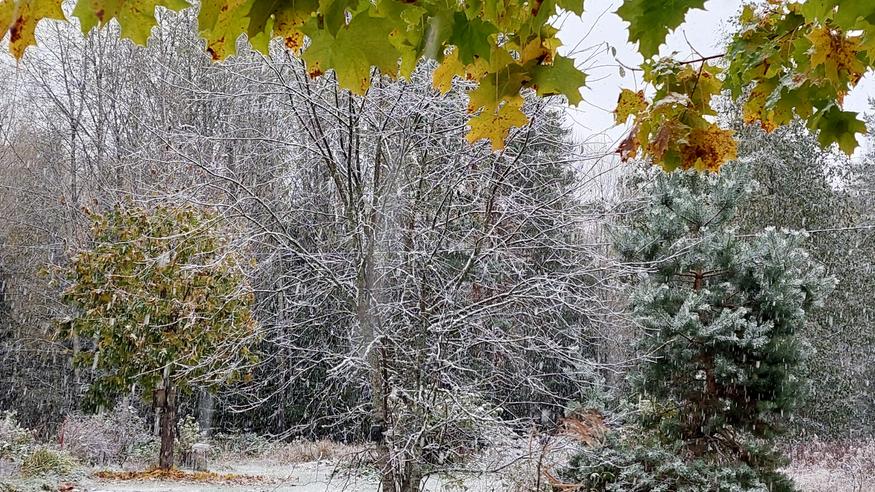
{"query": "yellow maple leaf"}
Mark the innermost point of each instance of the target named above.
(537, 49)
(708, 148)
(755, 110)
(629, 103)
(495, 125)
(20, 17)
(442, 78)
(837, 53)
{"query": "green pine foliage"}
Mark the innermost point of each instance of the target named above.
(721, 314)
(634, 460)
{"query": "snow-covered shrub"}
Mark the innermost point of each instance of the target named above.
(450, 427)
(849, 461)
(15, 440)
(188, 434)
(103, 438)
(145, 453)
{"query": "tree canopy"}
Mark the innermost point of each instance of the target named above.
(161, 297)
(787, 59)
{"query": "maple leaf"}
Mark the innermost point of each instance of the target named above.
(701, 85)
(536, 50)
(708, 148)
(837, 126)
(495, 87)
(667, 135)
(575, 6)
(630, 103)
(495, 125)
(560, 77)
(270, 18)
(755, 109)
(651, 20)
(136, 18)
(222, 22)
(20, 18)
(837, 53)
(628, 148)
(442, 78)
(363, 43)
(471, 37)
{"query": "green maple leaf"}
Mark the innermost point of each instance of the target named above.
(497, 86)
(471, 37)
(136, 18)
(365, 42)
(837, 126)
(575, 6)
(817, 9)
(270, 18)
(651, 20)
(371, 35)
(562, 77)
(850, 13)
(846, 16)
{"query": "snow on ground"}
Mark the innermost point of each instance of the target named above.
(320, 477)
(306, 477)
(511, 464)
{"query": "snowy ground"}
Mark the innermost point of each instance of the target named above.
(306, 477)
(321, 477)
(822, 470)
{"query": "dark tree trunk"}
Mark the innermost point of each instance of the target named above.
(412, 479)
(166, 400)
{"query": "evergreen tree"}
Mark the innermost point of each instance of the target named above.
(164, 302)
(804, 187)
(721, 314)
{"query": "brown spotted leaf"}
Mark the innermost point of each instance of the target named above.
(630, 103)
(20, 17)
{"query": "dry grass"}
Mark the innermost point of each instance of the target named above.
(839, 466)
(175, 475)
(303, 451)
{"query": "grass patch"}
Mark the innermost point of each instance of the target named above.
(45, 461)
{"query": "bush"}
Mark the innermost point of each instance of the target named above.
(145, 453)
(189, 434)
(45, 461)
(105, 437)
(15, 440)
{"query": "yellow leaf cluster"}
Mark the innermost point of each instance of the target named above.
(495, 125)
(708, 148)
(837, 53)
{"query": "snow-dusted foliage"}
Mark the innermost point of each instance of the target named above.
(721, 315)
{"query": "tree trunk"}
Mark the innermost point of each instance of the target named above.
(166, 399)
(412, 477)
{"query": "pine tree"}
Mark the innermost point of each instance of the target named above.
(721, 314)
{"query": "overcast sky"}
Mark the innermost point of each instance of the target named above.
(584, 38)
